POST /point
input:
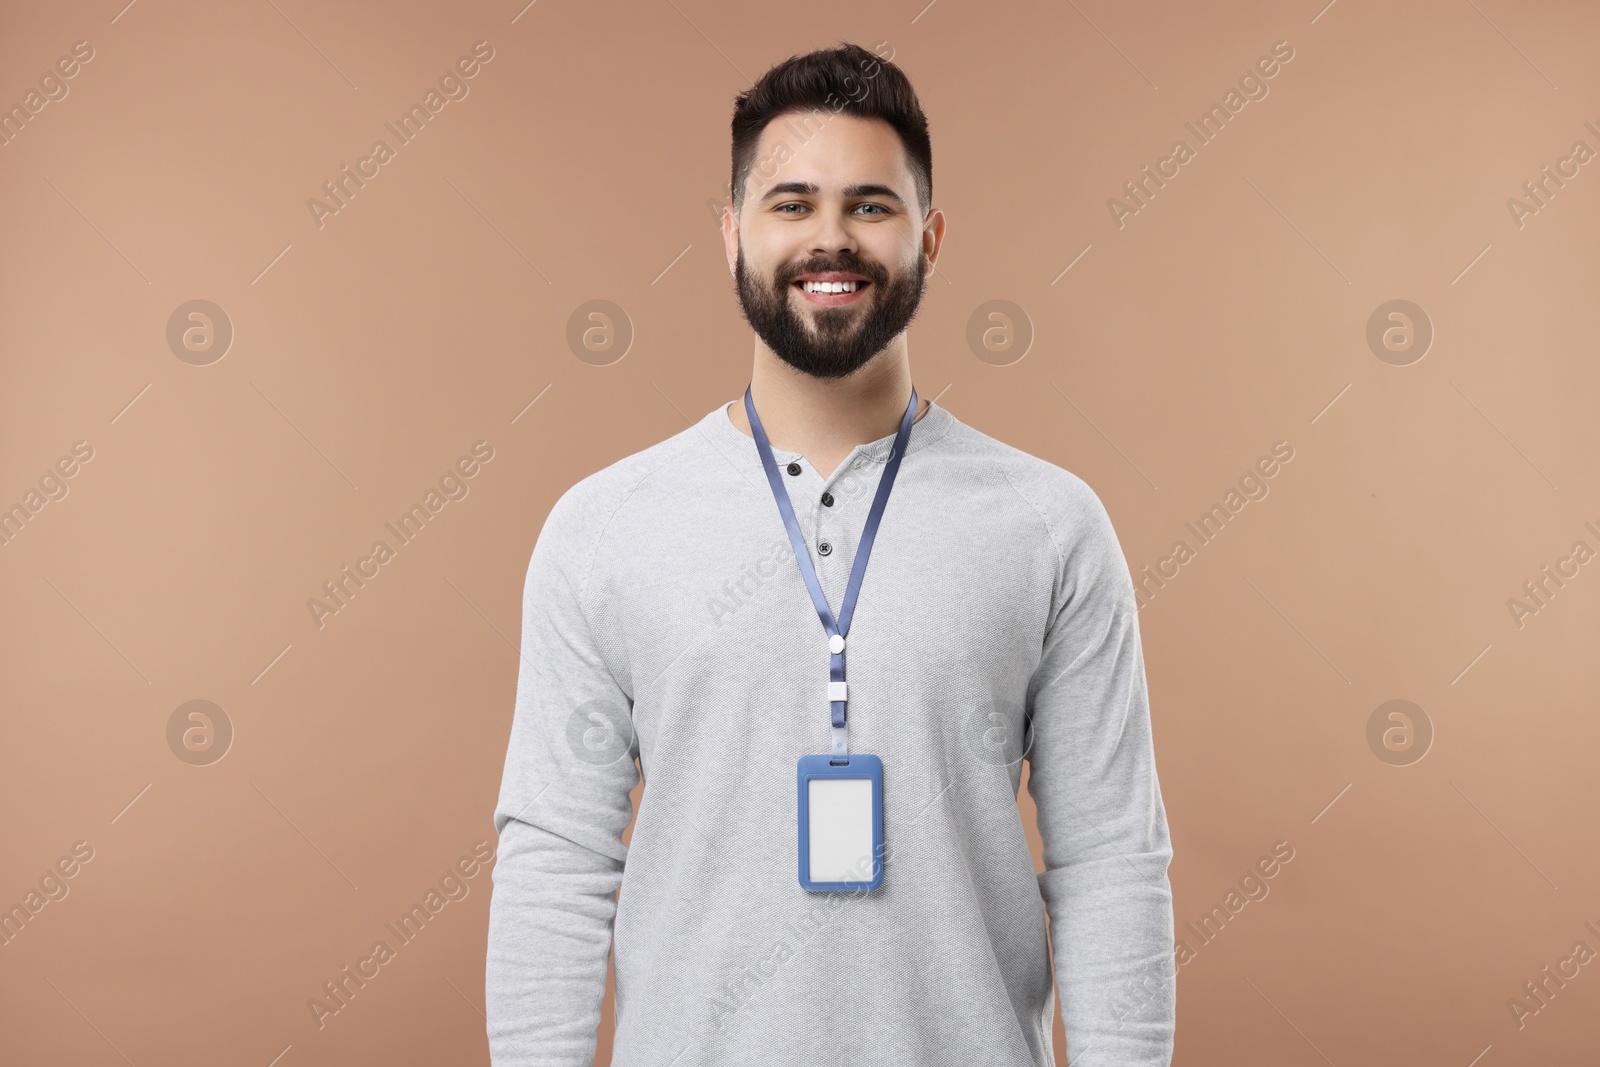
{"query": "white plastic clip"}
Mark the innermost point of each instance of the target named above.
(837, 691)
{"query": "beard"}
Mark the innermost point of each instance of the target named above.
(836, 341)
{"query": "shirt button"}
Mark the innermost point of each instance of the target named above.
(827, 500)
(794, 468)
(824, 548)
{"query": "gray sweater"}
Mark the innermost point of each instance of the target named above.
(665, 620)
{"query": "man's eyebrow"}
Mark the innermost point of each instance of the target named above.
(850, 191)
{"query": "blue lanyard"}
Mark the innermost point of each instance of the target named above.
(837, 692)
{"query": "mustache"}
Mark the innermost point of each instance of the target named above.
(869, 271)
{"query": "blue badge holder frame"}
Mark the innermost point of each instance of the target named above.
(853, 765)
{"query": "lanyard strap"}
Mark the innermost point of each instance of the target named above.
(837, 691)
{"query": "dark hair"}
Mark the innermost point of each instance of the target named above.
(848, 79)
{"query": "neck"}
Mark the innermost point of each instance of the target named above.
(823, 419)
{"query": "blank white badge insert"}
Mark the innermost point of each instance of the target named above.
(840, 825)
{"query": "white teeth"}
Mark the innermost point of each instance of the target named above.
(830, 287)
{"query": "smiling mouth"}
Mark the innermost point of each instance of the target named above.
(831, 295)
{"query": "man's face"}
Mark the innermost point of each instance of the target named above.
(837, 197)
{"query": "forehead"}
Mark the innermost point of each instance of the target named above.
(830, 150)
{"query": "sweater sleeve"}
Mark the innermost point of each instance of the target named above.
(1092, 776)
(563, 806)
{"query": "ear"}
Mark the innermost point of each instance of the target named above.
(933, 235)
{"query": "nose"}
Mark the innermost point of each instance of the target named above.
(832, 236)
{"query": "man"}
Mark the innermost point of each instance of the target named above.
(676, 612)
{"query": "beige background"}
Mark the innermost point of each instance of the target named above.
(432, 311)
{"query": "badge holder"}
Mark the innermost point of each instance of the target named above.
(841, 822)
(841, 795)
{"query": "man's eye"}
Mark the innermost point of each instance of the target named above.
(782, 208)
